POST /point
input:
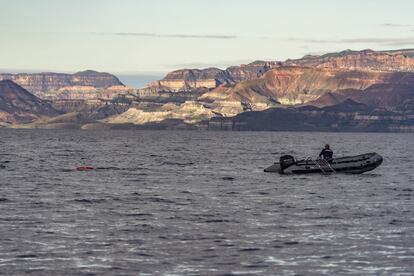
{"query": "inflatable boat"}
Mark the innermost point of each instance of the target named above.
(352, 164)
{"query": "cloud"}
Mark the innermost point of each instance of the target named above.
(218, 64)
(310, 40)
(390, 41)
(382, 41)
(397, 25)
(185, 36)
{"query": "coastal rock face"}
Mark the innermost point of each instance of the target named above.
(350, 90)
(401, 60)
(392, 97)
(298, 85)
(83, 98)
(39, 83)
(194, 78)
(365, 60)
(250, 71)
(374, 101)
(189, 112)
(346, 116)
(189, 79)
(87, 93)
(17, 105)
(86, 118)
(82, 91)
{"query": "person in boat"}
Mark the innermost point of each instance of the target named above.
(326, 153)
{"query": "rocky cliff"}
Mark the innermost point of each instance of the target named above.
(189, 112)
(399, 60)
(397, 97)
(190, 79)
(341, 90)
(17, 105)
(86, 93)
(365, 60)
(39, 83)
(298, 85)
(346, 116)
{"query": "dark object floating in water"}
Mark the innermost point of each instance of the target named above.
(227, 178)
(351, 164)
(85, 168)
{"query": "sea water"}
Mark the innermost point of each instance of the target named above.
(199, 203)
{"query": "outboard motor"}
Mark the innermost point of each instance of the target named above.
(286, 161)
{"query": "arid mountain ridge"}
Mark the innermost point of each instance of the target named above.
(397, 60)
(184, 79)
(17, 105)
(38, 83)
(206, 98)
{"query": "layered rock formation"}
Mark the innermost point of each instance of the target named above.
(190, 79)
(298, 85)
(39, 83)
(346, 100)
(397, 97)
(400, 60)
(365, 60)
(87, 93)
(350, 90)
(188, 112)
(17, 105)
(84, 98)
(346, 116)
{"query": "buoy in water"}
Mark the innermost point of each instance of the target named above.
(85, 168)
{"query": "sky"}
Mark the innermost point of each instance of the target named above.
(152, 37)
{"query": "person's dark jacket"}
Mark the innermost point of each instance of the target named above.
(326, 153)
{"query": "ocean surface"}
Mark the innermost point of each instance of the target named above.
(199, 203)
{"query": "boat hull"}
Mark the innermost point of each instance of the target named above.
(352, 164)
